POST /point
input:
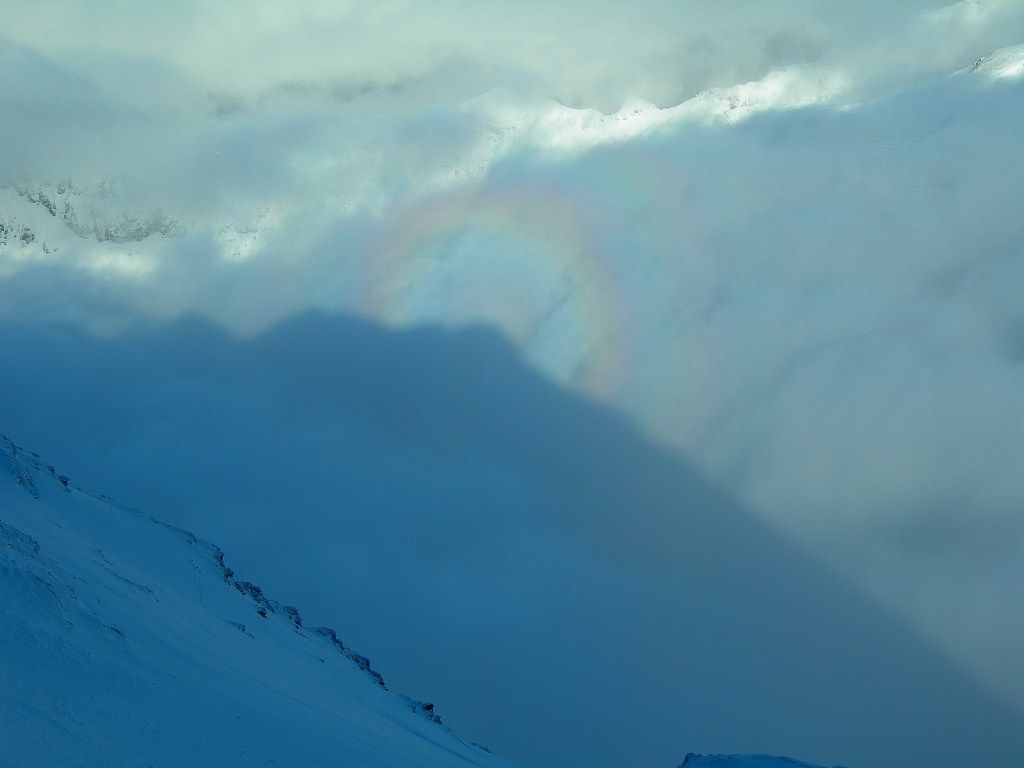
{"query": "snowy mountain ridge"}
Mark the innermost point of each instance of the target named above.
(1004, 63)
(27, 468)
(123, 637)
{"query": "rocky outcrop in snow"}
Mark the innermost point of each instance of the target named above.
(103, 604)
(1006, 62)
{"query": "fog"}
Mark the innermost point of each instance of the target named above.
(415, 309)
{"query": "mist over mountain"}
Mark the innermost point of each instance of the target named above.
(429, 485)
(636, 380)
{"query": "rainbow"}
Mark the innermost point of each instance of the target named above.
(524, 263)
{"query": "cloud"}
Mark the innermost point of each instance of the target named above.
(582, 54)
(786, 242)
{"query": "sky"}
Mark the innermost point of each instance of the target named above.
(325, 283)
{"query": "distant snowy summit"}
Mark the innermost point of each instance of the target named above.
(1005, 63)
(742, 761)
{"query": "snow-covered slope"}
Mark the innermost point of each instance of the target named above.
(128, 642)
